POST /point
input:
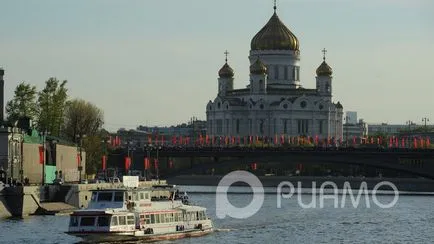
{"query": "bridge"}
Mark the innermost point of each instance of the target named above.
(417, 162)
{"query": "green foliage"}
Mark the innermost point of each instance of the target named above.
(52, 101)
(82, 118)
(23, 103)
(94, 152)
(83, 121)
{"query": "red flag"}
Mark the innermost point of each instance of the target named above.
(390, 142)
(41, 154)
(104, 162)
(414, 142)
(127, 163)
(156, 163)
(149, 140)
(254, 166)
(147, 163)
(207, 140)
(78, 159)
(402, 142)
(180, 140)
(428, 143)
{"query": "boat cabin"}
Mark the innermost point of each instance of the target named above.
(120, 199)
(93, 221)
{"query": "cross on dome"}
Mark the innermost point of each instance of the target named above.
(226, 54)
(324, 51)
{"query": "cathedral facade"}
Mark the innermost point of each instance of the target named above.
(274, 102)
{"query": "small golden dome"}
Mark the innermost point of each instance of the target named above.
(258, 68)
(275, 36)
(324, 70)
(226, 71)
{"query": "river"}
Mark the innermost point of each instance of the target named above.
(409, 221)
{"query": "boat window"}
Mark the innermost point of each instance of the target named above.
(162, 218)
(136, 197)
(105, 196)
(152, 218)
(119, 196)
(73, 221)
(122, 220)
(103, 221)
(146, 195)
(180, 217)
(93, 198)
(142, 216)
(157, 218)
(87, 221)
(148, 219)
(114, 221)
(130, 220)
(142, 196)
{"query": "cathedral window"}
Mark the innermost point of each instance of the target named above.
(285, 106)
(261, 126)
(327, 87)
(321, 107)
(321, 126)
(227, 106)
(276, 72)
(285, 73)
(303, 126)
(227, 126)
(303, 104)
(218, 105)
(210, 108)
(237, 126)
(261, 106)
(219, 126)
(285, 126)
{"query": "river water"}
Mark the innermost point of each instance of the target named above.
(411, 220)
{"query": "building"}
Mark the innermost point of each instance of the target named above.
(353, 128)
(389, 129)
(350, 117)
(274, 101)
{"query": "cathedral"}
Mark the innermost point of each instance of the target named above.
(274, 102)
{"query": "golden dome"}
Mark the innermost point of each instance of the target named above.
(324, 70)
(226, 71)
(275, 36)
(258, 68)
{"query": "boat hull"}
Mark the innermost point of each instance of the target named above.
(95, 237)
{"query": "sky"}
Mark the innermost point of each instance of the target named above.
(153, 63)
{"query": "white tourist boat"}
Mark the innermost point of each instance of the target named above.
(130, 214)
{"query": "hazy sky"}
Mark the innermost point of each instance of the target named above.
(156, 62)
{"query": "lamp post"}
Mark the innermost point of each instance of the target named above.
(80, 167)
(409, 123)
(346, 130)
(157, 168)
(425, 120)
(44, 156)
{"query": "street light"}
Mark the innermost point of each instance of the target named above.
(425, 120)
(409, 123)
(346, 130)
(80, 167)
(44, 156)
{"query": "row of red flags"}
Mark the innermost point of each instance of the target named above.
(236, 140)
(127, 162)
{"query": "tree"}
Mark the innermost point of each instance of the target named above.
(23, 103)
(52, 101)
(83, 121)
(82, 118)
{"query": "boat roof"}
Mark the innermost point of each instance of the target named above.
(121, 189)
(189, 208)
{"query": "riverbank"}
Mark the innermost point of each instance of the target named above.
(402, 184)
